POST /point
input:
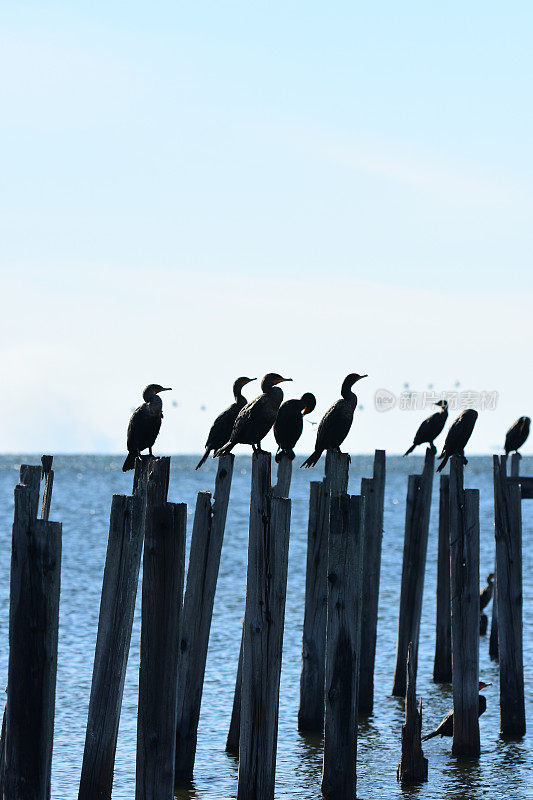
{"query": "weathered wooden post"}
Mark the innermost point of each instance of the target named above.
(464, 584)
(413, 767)
(335, 483)
(33, 636)
(266, 585)
(373, 491)
(284, 475)
(343, 641)
(202, 575)
(162, 593)
(442, 665)
(508, 535)
(117, 606)
(413, 568)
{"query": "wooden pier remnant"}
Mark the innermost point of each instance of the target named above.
(162, 593)
(419, 490)
(204, 562)
(442, 665)
(266, 585)
(464, 583)
(33, 637)
(335, 483)
(413, 767)
(343, 640)
(508, 535)
(373, 491)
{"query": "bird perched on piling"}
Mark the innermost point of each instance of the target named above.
(517, 435)
(223, 425)
(430, 428)
(458, 436)
(485, 596)
(446, 726)
(144, 424)
(336, 422)
(257, 417)
(289, 424)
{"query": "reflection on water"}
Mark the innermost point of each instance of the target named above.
(82, 498)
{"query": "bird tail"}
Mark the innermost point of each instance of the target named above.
(129, 462)
(289, 453)
(429, 736)
(223, 451)
(443, 462)
(409, 451)
(203, 459)
(312, 460)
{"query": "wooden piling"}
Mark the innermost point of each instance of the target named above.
(373, 490)
(117, 606)
(335, 483)
(508, 535)
(343, 638)
(33, 636)
(202, 575)
(464, 584)
(413, 767)
(442, 665)
(263, 635)
(284, 474)
(417, 513)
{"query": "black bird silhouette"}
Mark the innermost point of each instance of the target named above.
(336, 422)
(446, 726)
(430, 428)
(256, 418)
(289, 423)
(485, 595)
(458, 436)
(144, 424)
(517, 435)
(223, 425)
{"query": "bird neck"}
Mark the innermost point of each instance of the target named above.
(154, 404)
(276, 394)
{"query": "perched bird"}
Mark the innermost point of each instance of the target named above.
(256, 418)
(289, 423)
(144, 424)
(446, 726)
(336, 422)
(517, 435)
(458, 436)
(485, 595)
(430, 428)
(223, 425)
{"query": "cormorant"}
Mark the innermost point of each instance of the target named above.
(458, 436)
(223, 425)
(336, 422)
(517, 435)
(430, 428)
(289, 423)
(485, 596)
(256, 418)
(446, 726)
(144, 424)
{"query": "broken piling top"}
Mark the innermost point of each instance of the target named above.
(413, 767)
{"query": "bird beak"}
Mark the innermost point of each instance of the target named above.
(363, 376)
(168, 389)
(306, 411)
(284, 379)
(249, 380)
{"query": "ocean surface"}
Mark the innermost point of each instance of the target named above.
(83, 488)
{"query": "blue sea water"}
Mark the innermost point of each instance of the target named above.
(83, 488)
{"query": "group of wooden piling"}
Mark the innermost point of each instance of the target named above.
(344, 541)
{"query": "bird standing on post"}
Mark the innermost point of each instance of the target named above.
(446, 726)
(257, 417)
(144, 424)
(517, 435)
(430, 428)
(289, 424)
(336, 422)
(223, 425)
(485, 596)
(458, 436)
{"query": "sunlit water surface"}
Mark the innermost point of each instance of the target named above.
(82, 497)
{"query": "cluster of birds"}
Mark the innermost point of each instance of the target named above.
(246, 422)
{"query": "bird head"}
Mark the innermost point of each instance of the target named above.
(442, 403)
(349, 381)
(271, 379)
(490, 577)
(308, 401)
(483, 685)
(154, 388)
(239, 383)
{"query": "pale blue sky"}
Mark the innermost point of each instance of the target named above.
(195, 191)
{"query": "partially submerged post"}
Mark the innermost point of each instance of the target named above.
(442, 665)
(508, 535)
(202, 575)
(266, 586)
(413, 568)
(464, 572)
(343, 640)
(413, 767)
(33, 636)
(335, 483)
(373, 491)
